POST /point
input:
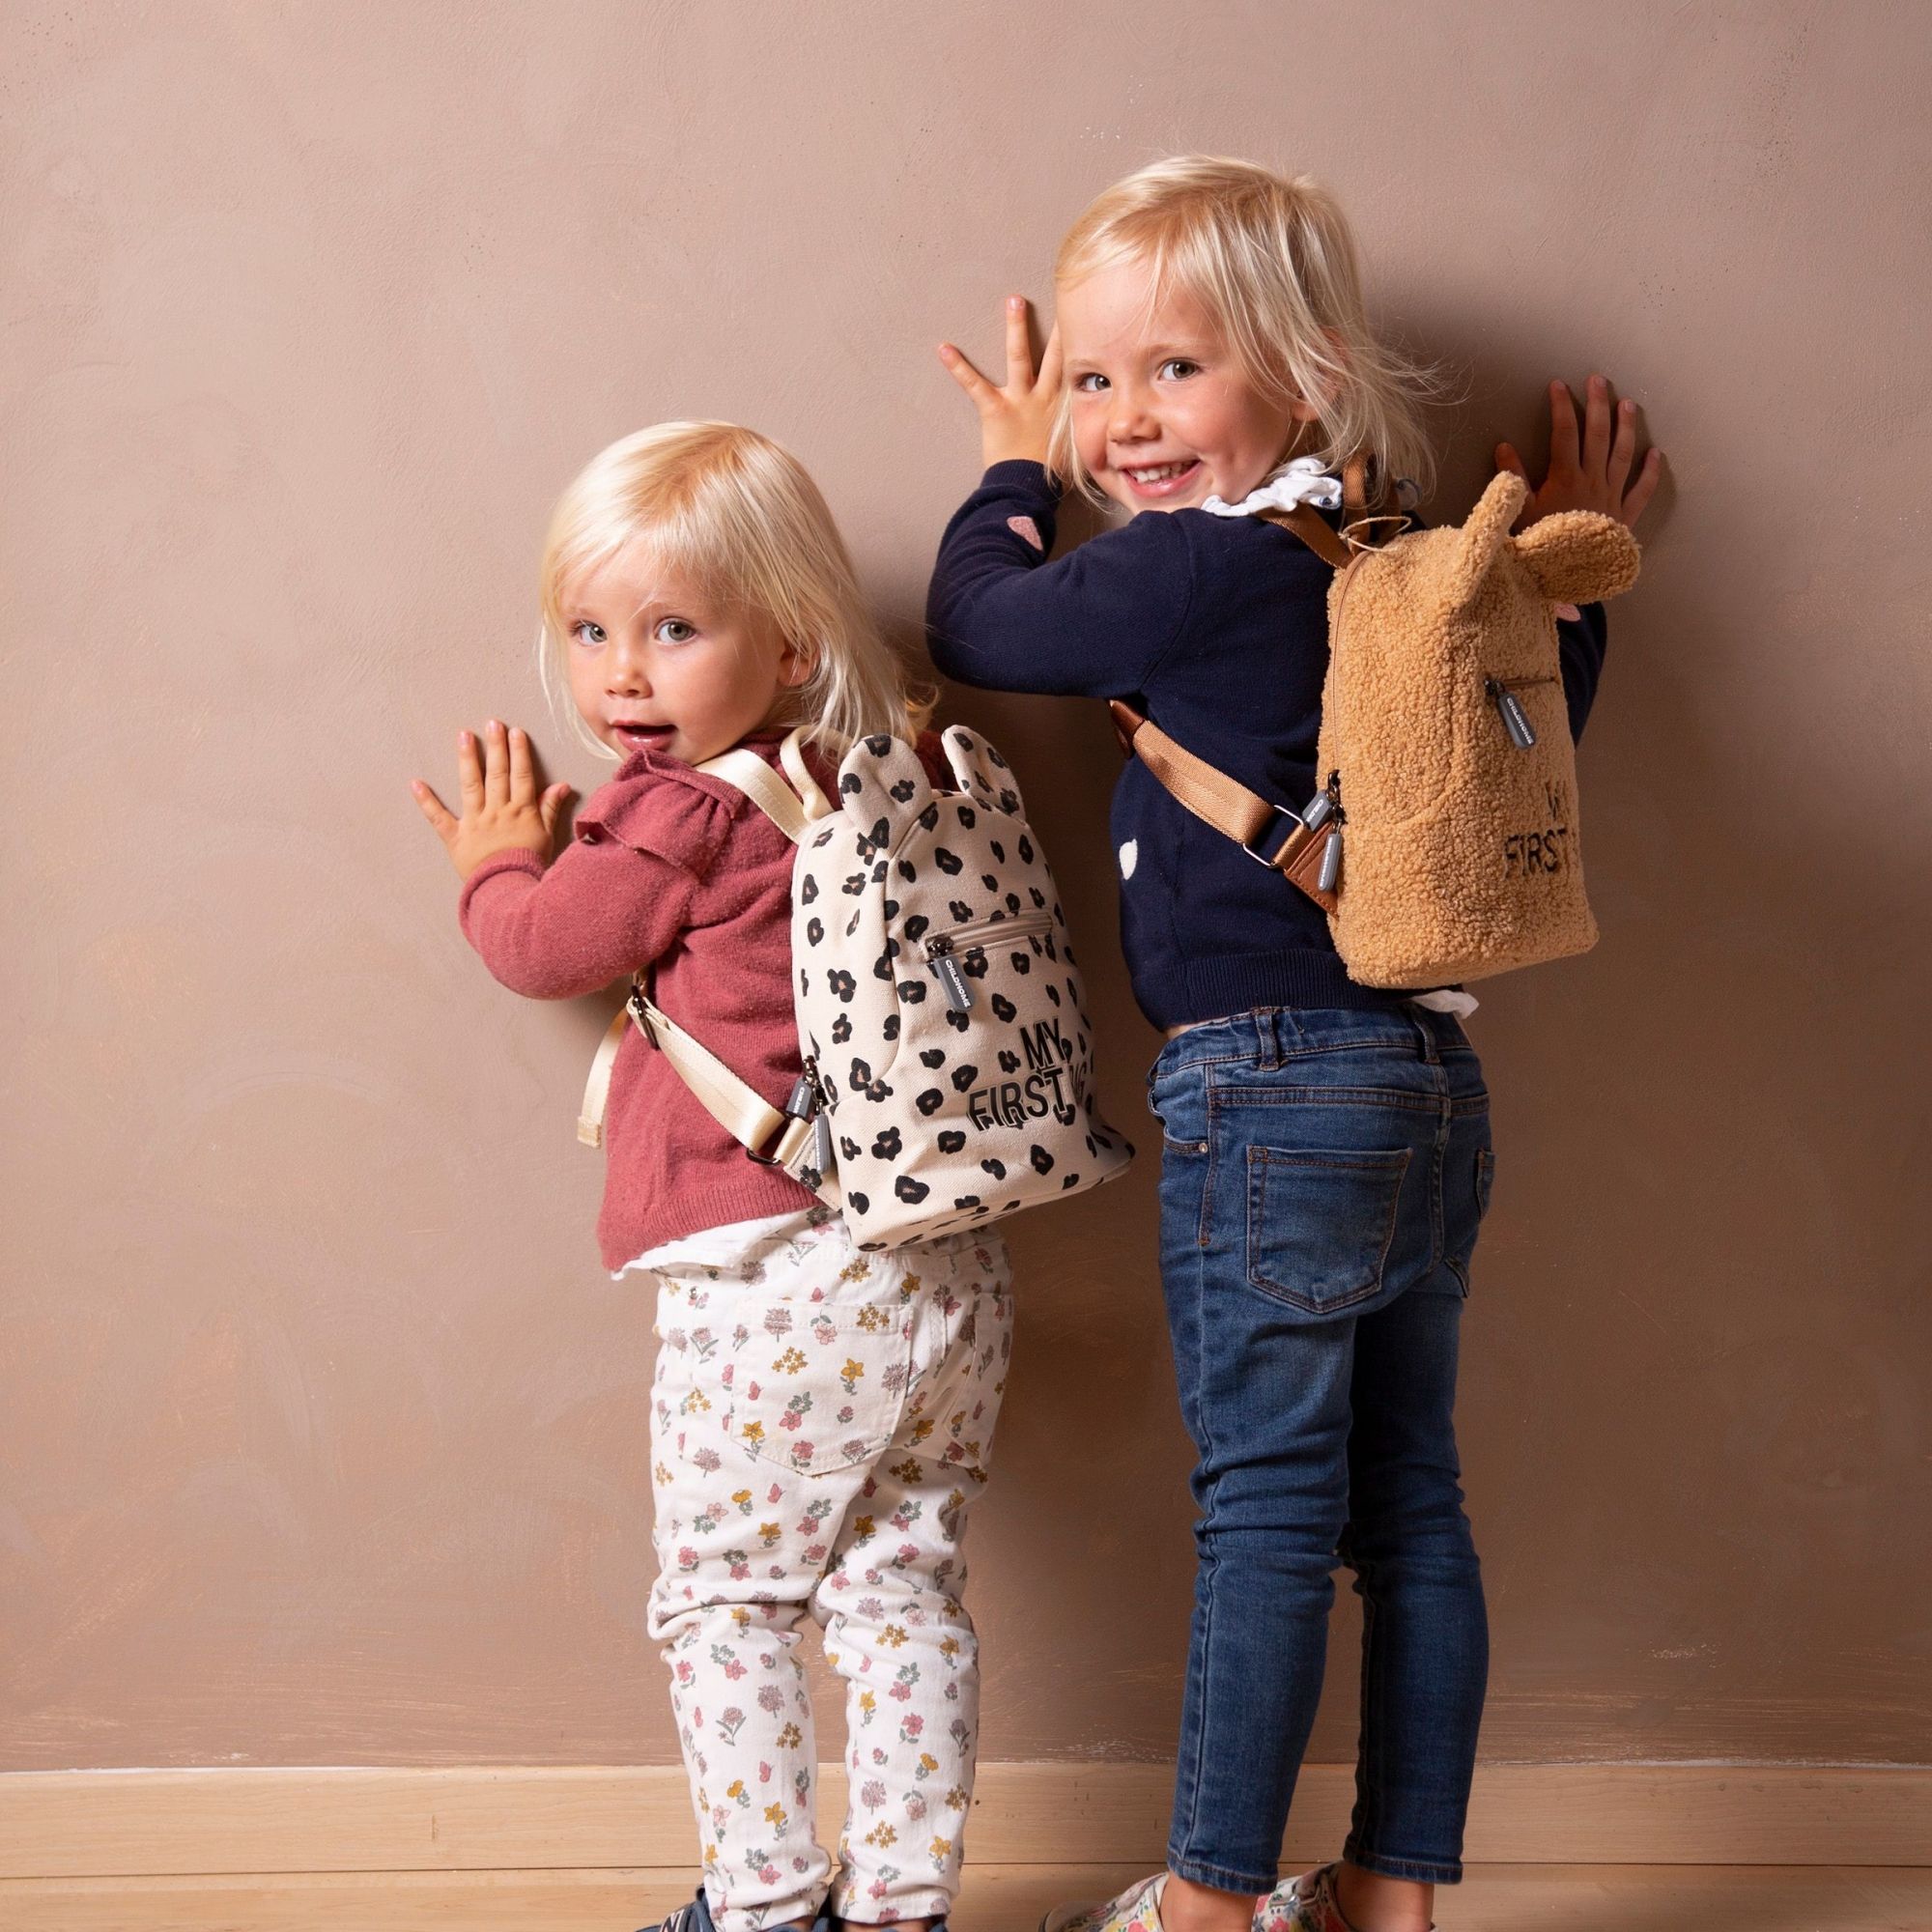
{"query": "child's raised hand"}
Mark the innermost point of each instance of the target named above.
(1594, 476)
(502, 811)
(1015, 421)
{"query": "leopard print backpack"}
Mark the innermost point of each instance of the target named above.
(948, 1060)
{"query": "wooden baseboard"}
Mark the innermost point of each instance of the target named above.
(89, 1824)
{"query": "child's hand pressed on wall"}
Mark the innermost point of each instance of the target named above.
(1015, 421)
(502, 811)
(1593, 477)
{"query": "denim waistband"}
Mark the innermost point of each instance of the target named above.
(1271, 1035)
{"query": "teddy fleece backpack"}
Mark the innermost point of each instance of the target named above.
(1445, 844)
(948, 1063)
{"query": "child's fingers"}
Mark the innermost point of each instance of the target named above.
(1623, 448)
(1596, 426)
(1648, 476)
(551, 804)
(468, 772)
(1052, 363)
(522, 784)
(969, 379)
(1019, 346)
(495, 765)
(442, 821)
(1562, 430)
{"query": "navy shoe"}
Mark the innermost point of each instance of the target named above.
(693, 1917)
(696, 1917)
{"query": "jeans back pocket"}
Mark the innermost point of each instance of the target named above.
(1321, 1223)
(817, 1386)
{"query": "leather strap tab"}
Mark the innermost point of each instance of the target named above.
(1304, 869)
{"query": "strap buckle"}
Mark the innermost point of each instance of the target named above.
(640, 1013)
(802, 1104)
(1277, 840)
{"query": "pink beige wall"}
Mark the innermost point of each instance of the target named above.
(323, 1435)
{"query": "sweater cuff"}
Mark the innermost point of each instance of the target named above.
(1020, 473)
(512, 859)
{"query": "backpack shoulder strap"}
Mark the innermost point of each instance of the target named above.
(768, 1135)
(1270, 834)
(1310, 528)
(763, 786)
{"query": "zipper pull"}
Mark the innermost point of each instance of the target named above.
(1318, 812)
(1330, 876)
(1515, 719)
(823, 1098)
(821, 1145)
(946, 969)
(953, 983)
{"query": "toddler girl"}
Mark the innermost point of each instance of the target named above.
(1326, 1155)
(696, 597)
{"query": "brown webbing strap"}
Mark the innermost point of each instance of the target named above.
(1226, 803)
(1210, 794)
(1309, 527)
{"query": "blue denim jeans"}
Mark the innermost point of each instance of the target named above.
(1322, 1176)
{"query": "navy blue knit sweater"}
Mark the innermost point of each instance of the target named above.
(1218, 628)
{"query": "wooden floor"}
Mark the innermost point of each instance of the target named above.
(1009, 1898)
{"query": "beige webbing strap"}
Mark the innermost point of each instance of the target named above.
(791, 755)
(597, 1089)
(764, 787)
(743, 1113)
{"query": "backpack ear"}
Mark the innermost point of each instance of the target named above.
(881, 782)
(1483, 536)
(1578, 556)
(982, 771)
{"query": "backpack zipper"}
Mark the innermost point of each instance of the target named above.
(942, 951)
(1326, 808)
(1502, 694)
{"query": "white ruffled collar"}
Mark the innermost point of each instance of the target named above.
(1303, 481)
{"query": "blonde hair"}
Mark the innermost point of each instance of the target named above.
(1271, 260)
(737, 515)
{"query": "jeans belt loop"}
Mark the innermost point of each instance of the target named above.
(1426, 1032)
(1268, 1043)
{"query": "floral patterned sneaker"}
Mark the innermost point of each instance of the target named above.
(1304, 1904)
(1136, 1910)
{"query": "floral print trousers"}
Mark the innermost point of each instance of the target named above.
(821, 1421)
